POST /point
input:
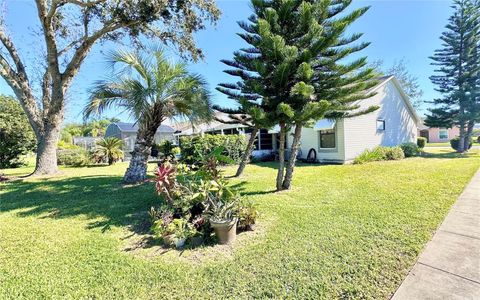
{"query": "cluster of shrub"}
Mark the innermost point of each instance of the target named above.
(193, 148)
(108, 150)
(199, 206)
(391, 153)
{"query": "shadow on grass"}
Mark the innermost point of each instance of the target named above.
(96, 197)
(443, 155)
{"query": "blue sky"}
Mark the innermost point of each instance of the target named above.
(408, 29)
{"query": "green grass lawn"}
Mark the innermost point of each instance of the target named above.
(447, 144)
(349, 231)
(444, 144)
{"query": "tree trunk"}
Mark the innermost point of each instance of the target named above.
(461, 138)
(293, 157)
(137, 169)
(47, 140)
(468, 136)
(281, 157)
(247, 153)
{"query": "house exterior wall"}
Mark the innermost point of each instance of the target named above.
(361, 132)
(129, 138)
(311, 139)
(434, 134)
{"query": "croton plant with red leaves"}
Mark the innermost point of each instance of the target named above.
(165, 180)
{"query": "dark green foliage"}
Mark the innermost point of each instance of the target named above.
(409, 149)
(167, 149)
(75, 157)
(454, 143)
(380, 153)
(192, 149)
(421, 142)
(16, 134)
(108, 149)
(458, 72)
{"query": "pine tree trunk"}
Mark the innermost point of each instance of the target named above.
(47, 140)
(281, 157)
(461, 138)
(247, 153)
(137, 169)
(293, 157)
(468, 136)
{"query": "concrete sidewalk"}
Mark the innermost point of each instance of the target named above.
(449, 266)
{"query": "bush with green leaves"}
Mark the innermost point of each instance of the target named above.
(74, 157)
(409, 149)
(394, 153)
(380, 153)
(247, 215)
(421, 142)
(192, 148)
(108, 149)
(456, 141)
(16, 134)
(167, 149)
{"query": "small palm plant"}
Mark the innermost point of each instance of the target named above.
(152, 90)
(109, 148)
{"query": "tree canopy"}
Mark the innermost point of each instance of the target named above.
(295, 70)
(16, 134)
(457, 73)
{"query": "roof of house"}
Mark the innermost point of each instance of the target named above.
(130, 127)
(384, 80)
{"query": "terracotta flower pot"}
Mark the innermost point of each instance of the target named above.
(225, 231)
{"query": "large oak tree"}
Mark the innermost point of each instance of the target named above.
(69, 29)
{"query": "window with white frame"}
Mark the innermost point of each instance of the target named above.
(380, 125)
(443, 134)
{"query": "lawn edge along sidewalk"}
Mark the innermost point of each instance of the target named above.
(449, 266)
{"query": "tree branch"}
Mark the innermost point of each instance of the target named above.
(7, 43)
(49, 35)
(82, 51)
(18, 81)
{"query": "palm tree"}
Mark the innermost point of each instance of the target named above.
(152, 90)
(110, 148)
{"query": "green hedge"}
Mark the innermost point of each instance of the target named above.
(380, 153)
(456, 140)
(421, 142)
(409, 149)
(75, 157)
(193, 147)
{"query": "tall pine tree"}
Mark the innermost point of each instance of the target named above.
(458, 73)
(294, 71)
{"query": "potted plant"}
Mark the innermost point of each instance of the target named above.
(222, 211)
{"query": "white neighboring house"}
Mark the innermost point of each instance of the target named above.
(340, 141)
(127, 132)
